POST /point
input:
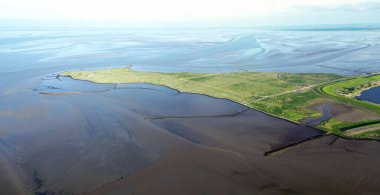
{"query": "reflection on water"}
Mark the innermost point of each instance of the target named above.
(95, 137)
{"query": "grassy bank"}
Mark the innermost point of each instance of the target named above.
(346, 91)
(362, 129)
(281, 94)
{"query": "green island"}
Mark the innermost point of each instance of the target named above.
(286, 95)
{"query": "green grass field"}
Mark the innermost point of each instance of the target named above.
(366, 135)
(281, 94)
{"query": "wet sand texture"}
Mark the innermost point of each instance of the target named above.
(313, 168)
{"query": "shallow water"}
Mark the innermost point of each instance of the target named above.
(326, 114)
(105, 127)
(202, 50)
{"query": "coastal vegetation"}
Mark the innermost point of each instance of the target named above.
(348, 90)
(361, 129)
(375, 134)
(284, 95)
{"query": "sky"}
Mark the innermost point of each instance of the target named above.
(217, 12)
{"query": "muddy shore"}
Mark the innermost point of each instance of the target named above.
(144, 139)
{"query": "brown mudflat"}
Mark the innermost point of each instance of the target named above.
(145, 139)
(317, 167)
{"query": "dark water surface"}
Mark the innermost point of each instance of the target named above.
(76, 136)
(75, 142)
(371, 95)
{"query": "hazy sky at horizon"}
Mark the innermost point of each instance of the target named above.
(241, 12)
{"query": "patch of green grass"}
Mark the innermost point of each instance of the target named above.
(372, 134)
(200, 79)
(338, 127)
(333, 126)
(273, 93)
(359, 124)
(290, 106)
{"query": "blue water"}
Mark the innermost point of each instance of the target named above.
(371, 95)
